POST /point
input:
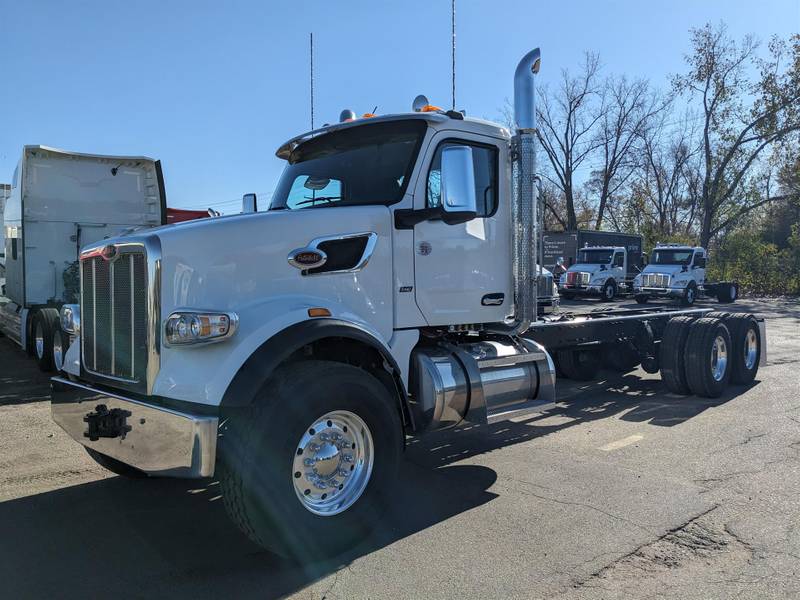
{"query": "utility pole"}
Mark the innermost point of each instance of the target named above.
(311, 43)
(453, 29)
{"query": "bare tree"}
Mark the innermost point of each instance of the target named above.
(567, 119)
(667, 174)
(740, 118)
(627, 109)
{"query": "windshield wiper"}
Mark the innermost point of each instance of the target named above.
(319, 199)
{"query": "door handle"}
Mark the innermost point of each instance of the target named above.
(493, 299)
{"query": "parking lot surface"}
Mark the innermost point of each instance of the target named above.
(624, 490)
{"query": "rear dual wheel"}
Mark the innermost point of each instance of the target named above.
(43, 326)
(746, 345)
(581, 364)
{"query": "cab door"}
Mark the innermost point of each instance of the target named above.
(698, 267)
(463, 271)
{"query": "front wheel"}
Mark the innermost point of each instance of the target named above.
(608, 292)
(308, 469)
(690, 295)
(60, 346)
(642, 298)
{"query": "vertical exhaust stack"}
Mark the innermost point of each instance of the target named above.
(525, 202)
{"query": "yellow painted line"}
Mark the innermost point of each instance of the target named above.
(631, 439)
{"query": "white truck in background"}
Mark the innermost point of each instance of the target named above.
(5, 192)
(390, 290)
(60, 201)
(678, 271)
(599, 271)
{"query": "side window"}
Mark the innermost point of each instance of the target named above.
(618, 259)
(699, 260)
(484, 161)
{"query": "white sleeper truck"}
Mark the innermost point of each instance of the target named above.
(387, 292)
(60, 201)
(679, 272)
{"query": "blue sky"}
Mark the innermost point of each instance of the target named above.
(213, 88)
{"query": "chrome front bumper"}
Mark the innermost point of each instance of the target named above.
(669, 292)
(156, 440)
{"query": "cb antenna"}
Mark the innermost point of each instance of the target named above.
(311, 44)
(453, 47)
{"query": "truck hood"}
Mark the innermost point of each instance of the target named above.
(586, 268)
(666, 269)
(240, 264)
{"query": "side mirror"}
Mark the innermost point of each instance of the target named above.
(249, 203)
(459, 201)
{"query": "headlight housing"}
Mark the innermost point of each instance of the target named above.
(70, 317)
(195, 327)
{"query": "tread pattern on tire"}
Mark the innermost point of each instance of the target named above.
(49, 318)
(671, 355)
(698, 373)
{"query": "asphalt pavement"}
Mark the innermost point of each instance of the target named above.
(622, 491)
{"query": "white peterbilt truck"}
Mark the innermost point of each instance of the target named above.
(603, 271)
(387, 292)
(678, 271)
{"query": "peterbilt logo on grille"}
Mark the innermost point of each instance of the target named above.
(307, 258)
(109, 252)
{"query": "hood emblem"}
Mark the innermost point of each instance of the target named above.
(109, 252)
(307, 258)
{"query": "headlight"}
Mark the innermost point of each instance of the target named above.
(70, 315)
(188, 327)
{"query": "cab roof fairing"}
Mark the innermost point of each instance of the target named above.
(467, 124)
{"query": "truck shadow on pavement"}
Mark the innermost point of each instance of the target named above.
(164, 537)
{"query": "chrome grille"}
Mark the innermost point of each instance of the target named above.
(656, 280)
(114, 315)
(577, 278)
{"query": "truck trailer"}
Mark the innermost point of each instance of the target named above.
(388, 291)
(60, 201)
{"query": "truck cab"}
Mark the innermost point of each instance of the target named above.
(675, 271)
(599, 271)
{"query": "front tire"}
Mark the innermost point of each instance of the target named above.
(690, 295)
(44, 323)
(60, 346)
(308, 469)
(609, 291)
(642, 298)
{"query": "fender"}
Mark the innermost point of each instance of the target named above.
(259, 366)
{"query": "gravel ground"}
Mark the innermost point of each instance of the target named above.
(623, 491)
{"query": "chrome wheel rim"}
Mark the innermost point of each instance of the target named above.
(719, 358)
(58, 353)
(690, 296)
(609, 292)
(750, 349)
(38, 339)
(333, 463)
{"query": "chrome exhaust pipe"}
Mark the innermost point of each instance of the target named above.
(524, 206)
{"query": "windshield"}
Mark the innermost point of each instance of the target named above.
(367, 164)
(672, 257)
(595, 257)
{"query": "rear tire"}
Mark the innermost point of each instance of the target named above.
(727, 292)
(261, 445)
(746, 343)
(671, 355)
(43, 325)
(642, 298)
(580, 365)
(115, 466)
(708, 357)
